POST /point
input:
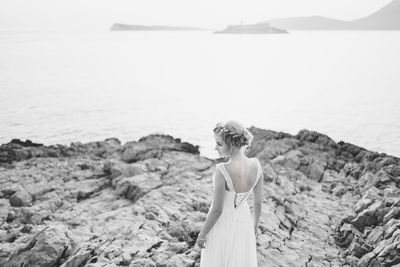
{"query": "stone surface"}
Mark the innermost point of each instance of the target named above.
(143, 203)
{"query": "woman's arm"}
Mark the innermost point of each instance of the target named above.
(257, 201)
(217, 206)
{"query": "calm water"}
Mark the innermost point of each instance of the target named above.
(59, 88)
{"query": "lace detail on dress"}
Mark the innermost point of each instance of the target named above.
(239, 197)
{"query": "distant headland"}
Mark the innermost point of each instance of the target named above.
(386, 18)
(259, 28)
(127, 27)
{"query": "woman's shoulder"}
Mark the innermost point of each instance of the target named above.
(255, 160)
(252, 162)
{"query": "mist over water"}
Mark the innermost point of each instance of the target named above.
(66, 87)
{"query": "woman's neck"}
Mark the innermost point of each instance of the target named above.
(237, 155)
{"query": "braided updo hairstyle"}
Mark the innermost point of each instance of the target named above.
(233, 134)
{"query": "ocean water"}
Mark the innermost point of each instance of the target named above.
(65, 87)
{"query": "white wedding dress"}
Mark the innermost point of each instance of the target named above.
(231, 242)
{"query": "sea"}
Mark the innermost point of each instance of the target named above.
(63, 87)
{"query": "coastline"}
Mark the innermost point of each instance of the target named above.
(142, 203)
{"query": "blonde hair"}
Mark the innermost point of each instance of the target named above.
(234, 134)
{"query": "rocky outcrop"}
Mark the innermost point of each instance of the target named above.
(358, 186)
(370, 232)
(18, 150)
(143, 203)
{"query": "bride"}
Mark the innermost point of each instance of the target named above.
(228, 235)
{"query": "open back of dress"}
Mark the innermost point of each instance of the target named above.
(231, 242)
(240, 195)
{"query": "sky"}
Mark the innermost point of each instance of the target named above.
(213, 14)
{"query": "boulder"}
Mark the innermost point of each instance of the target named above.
(180, 260)
(21, 198)
(44, 248)
(142, 262)
(137, 186)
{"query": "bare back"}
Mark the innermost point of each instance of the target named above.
(242, 174)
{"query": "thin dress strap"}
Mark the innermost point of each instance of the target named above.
(259, 172)
(228, 179)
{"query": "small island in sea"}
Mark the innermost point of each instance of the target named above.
(127, 27)
(259, 28)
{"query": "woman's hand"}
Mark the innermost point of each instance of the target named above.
(201, 241)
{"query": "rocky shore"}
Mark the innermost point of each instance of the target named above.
(143, 203)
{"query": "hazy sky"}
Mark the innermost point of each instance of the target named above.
(100, 14)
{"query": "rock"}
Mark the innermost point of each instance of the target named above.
(21, 198)
(18, 150)
(116, 168)
(142, 263)
(270, 173)
(366, 259)
(77, 259)
(316, 172)
(136, 186)
(105, 149)
(153, 145)
(135, 152)
(315, 137)
(393, 213)
(43, 249)
(180, 260)
(126, 258)
(367, 217)
(362, 204)
(375, 235)
(27, 143)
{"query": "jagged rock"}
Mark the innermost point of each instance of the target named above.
(142, 263)
(136, 186)
(27, 143)
(367, 217)
(44, 249)
(362, 204)
(138, 151)
(21, 198)
(77, 260)
(105, 148)
(116, 168)
(126, 258)
(180, 260)
(316, 172)
(393, 213)
(315, 137)
(153, 145)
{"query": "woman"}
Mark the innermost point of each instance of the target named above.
(227, 237)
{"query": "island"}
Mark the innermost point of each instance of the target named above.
(259, 28)
(127, 27)
(385, 19)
